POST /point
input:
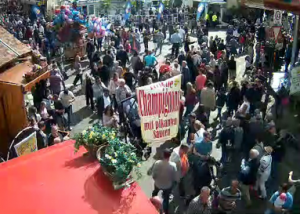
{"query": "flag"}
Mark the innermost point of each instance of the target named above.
(160, 10)
(36, 11)
(127, 10)
(201, 8)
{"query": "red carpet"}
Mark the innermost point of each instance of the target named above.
(57, 181)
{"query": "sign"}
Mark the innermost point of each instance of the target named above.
(277, 17)
(295, 81)
(159, 105)
(273, 33)
(27, 145)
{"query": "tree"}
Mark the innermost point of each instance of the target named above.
(106, 5)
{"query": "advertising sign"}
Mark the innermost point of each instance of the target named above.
(27, 145)
(159, 105)
(277, 17)
(295, 81)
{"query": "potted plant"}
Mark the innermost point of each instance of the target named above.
(93, 137)
(117, 160)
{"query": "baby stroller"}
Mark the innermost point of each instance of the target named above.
(132, 133)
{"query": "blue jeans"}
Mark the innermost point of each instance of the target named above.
(99, 43)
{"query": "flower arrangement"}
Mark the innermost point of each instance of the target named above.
(35, 71)
(119, 159)
(95, 135)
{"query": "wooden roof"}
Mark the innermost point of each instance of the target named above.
(15, 74)
(10, 47)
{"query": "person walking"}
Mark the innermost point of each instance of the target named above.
(78, 71)
(176, 40)
(248, 174)
(164, 174)
(228, 197)
(67, 98)
(202, 204)
(264, 172)
(158, 39)
(179, 157)
(208, 98)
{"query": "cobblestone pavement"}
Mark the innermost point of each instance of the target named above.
(84, 117)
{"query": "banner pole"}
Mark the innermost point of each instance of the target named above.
(295, 37)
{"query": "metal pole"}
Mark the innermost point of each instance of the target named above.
(295, 37)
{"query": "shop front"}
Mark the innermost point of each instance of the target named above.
(86, 7)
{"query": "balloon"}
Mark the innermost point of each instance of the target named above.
(75, 13)
(63, 7)
(57, 11)
(68, 12)
(70, 21)
(98, 21)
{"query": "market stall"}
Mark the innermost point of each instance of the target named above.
(57, 180)
(13, 88)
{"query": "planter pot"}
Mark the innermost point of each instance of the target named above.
(92, 150)
(117, 183)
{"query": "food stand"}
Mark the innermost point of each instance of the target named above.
(57, 180)
(14, 63)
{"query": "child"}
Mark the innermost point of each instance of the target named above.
(280, 200)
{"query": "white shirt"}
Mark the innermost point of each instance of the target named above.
(107, 101)
(247, 104)
(66, 98)
(41, 29)
(265, 167)
(199, 135)
(44, 113)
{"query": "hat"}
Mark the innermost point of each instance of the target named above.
(105, 89)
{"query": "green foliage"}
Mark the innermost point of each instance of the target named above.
(106, 4)
(119, 159)
(95, 135)
(166, 3)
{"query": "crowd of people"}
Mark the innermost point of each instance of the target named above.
(208, 67)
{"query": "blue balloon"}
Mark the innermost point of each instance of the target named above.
(75, 13)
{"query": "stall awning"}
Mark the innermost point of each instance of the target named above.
(288, 5)
(55, 180)
(10, 47)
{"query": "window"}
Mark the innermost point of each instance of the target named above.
(91, 9)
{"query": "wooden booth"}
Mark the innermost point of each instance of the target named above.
(15, 61)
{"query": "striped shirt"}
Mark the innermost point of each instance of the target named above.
(227, 198)
(197, 207)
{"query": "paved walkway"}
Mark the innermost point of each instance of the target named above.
(84, 117)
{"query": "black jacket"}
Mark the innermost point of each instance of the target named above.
(108, 60)
(122, 56)
(249, 177)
